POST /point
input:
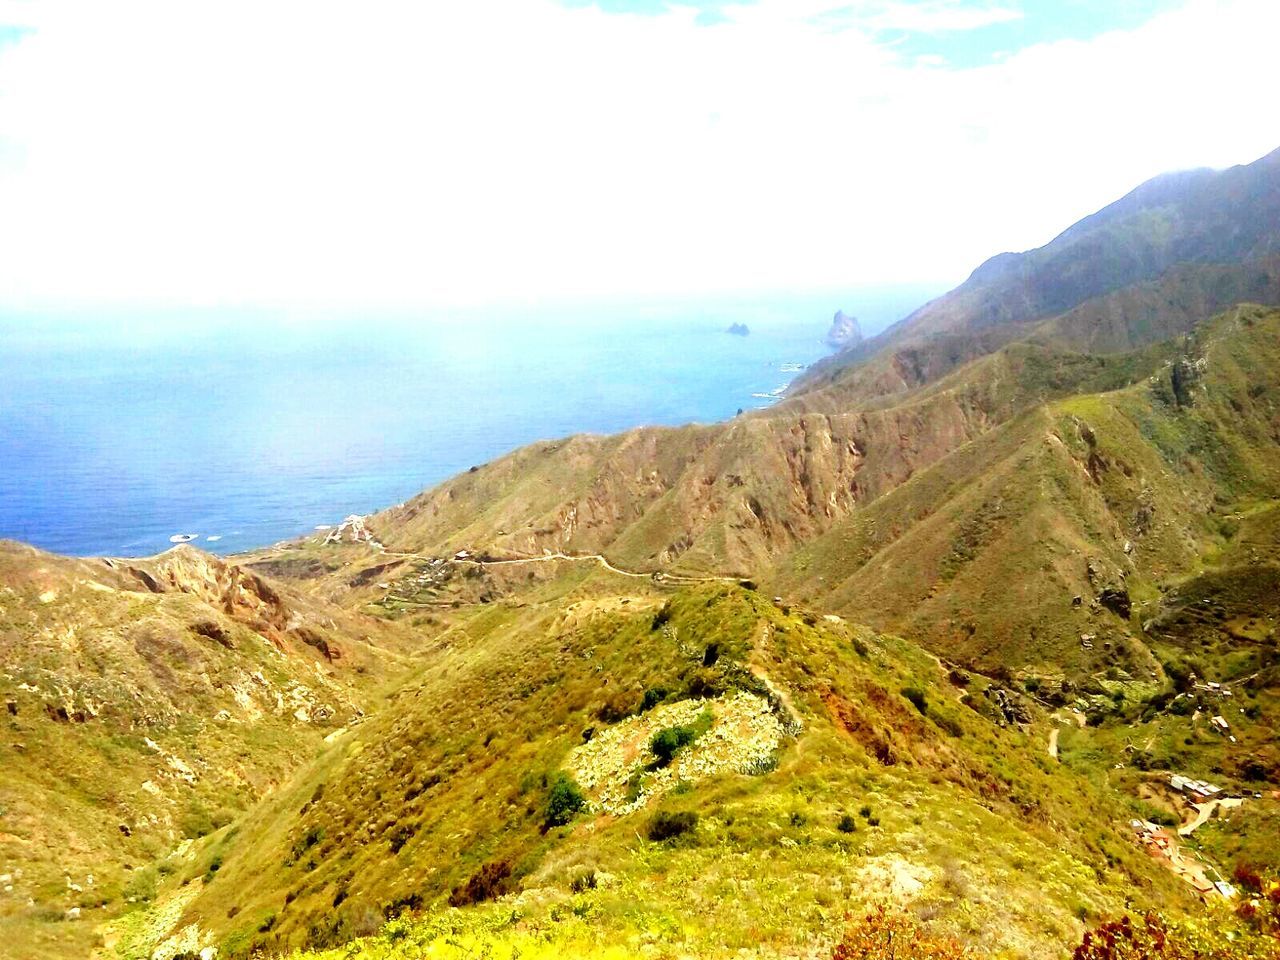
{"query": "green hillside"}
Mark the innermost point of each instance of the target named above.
(148, 703)
(984, 554)
(829, 767)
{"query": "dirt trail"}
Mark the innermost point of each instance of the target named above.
(592, 557)
(760, 642)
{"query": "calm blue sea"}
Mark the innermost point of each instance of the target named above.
(118, 431)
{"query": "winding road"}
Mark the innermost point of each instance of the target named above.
(592, 557)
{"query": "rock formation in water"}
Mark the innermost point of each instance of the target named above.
(844, 331)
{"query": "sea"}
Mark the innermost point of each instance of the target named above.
(239, 428)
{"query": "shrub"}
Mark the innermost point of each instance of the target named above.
(309, 839)
(485, 884)
(142, 885)
(635, 786)
(215, 865)
(196, 823)
(1151, 937)
(652, 697)
(619, 706)
(1261, 911)
(665, 826)
(401, 835)
(847, 824)
(949, 725)
(917, 698)
(662, 616)
(667, 741)
(564, 799)
(1179, 674)
(885, 934)
(1247, 876)
(583, 882)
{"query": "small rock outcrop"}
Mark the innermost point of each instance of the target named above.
(1116, 599)
(844, 332)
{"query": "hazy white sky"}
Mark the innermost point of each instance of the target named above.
(430, 153)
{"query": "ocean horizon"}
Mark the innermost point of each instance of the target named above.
(241, 430)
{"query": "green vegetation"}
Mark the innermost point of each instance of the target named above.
(564, 799)
(439, 781)
(917, 698)
(665, 825)
(664, 744)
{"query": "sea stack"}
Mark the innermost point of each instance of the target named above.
(844, 331)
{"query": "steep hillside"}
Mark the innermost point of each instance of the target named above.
(146, 703)
(1201, 217)
(732, 497)
(1156, 310)
(1102, 497)
(916, 515)
(1128, 319)
(828, 767)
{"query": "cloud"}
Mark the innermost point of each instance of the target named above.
(941, 17)
(391, 154)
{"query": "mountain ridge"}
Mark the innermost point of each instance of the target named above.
(1227, 216)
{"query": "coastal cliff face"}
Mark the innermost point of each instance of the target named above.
(845, 331)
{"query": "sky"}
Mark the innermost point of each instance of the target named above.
(426, 154)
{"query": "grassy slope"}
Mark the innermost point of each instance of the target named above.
(126, 729)
(982, 554)
(975, 825)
